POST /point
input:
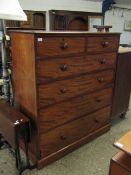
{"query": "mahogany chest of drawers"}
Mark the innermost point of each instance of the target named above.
(64, 83)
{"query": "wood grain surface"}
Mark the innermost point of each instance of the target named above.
(47, 70)
(74, 108)
(54, 46)
(103, 44)
(64, 89)
(64, 135)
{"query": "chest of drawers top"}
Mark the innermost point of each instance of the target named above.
(51, 44)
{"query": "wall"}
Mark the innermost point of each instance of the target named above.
(116, 17)
(78, 5)
(125, 2)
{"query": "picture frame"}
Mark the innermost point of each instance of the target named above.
(127, 25)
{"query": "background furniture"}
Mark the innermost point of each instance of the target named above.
(71, 20)
(122, 84)
(35, 20)
(101, 28)
(17, 128)
(121, 163)
(64, 83)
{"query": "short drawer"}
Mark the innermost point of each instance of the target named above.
(102, 44)
(62, 136)
(66, 111)
(47, 70)
(55, 46)
(58, 91)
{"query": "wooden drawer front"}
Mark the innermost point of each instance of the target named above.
(60, 68)
(54, 46)
(96, 44)
(61, 90)
(66, 111)
(73, 131)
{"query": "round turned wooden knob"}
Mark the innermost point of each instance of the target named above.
(103, 61)
(100, 79)
(63, 90)
(105, 44)
(64, 45)
(98, 99)
(62, 137)
(96, 120)
(64, 67)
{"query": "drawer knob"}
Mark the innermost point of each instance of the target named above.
(103, 61)
(63, 44)
(105, 44)
(62, 137)
(98, 99)
(63, 90)
(100, 79)
(64, 67)
(96, 120)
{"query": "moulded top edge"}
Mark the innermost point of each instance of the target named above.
(62, 32)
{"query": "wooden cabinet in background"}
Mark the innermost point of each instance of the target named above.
(35, 20)
(122, 85)
(64, 84)
(71, 20)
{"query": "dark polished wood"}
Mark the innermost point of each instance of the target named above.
(65, 86)
(47, 46)
(101, 28)
(35, 19)
(71, 147)
(122, 85)
(73, 108)
(10, 120)
(120, 164)
(23, 81)
(71, 20)
(64, 89)
(65, 67)
(97, 44)
(66, 134)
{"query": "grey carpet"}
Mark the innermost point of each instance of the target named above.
(90, 159)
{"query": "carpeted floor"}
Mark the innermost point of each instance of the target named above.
(91, 159)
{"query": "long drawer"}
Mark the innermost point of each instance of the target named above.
(102, 44)
(55, 46)
(61, 90)
(61, 113)
(47, 70)
(64, 135)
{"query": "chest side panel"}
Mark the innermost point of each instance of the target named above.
(23, 70)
